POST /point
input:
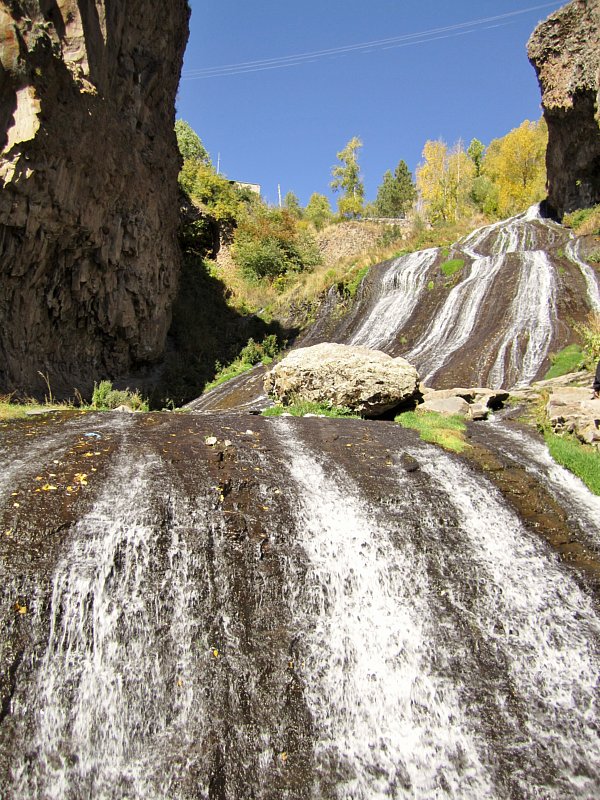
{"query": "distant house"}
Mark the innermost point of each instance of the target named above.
(253, 187)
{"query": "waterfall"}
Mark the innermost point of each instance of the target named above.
(401, 287)
(589, 274)
(104, 696)
(532, 321)
(449, 657)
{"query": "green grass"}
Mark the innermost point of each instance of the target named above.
(448, 432)
(580, 459)
(10, 410)
(227, 373)
(569, 359)
(451, 267)
(300, 408)
(594, 258)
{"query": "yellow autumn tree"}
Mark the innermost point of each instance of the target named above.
(516, 165)
(444, 180)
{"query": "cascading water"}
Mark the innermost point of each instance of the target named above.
(400, 290)
(448, 658)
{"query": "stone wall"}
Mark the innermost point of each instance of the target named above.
(565, 51)
(89, 260)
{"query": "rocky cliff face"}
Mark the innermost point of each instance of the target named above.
(565, 51)
(88, 192)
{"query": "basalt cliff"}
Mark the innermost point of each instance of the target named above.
(565, 51)
(89, 259)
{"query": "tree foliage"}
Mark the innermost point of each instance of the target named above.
(189, 143)
(292, 204)
(318, 211)
(444, 180)
(396, 194)
(475, 152)
(347, 179)
(268, 244)
(516, 165)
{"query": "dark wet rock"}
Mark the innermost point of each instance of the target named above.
(565, 52)
(89, 260)
(369, 382)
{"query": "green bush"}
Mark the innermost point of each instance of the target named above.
(105, 398)
(269, 244)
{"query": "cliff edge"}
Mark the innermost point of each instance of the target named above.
(89, 260)
(565, 52)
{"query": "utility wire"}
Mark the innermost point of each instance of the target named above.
(434, 34)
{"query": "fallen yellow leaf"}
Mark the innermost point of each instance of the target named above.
(48, 487)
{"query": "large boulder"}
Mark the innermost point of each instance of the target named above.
(369, 382)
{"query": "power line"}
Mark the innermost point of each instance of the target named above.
(405, 40)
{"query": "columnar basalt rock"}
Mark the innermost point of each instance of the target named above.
(89, 259)
(565, 51)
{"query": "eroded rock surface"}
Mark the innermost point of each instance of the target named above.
(88, 193)
(367, 381)
(565, 51)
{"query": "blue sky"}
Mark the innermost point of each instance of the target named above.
(438, 70)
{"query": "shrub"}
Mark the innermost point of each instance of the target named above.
(105, 398)
(300, 408)
(269, 243)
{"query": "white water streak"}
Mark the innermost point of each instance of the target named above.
(573, 251)
(533, 612)
(535, 457)
(102, 696)
(401, 287)
(455, 321)
(532, 320)
(390, 725)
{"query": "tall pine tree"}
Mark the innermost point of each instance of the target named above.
(396, 194)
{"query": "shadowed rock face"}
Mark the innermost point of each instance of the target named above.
(88, 192)
(565, 52)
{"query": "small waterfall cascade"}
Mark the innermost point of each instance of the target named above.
(400, 290)
(522, 342)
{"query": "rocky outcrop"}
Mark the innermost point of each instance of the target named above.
(367, 381)
(573, 410)
(476, 403)
(89, 259)
(565, 52)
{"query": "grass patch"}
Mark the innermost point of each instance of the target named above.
(448, 432)
(452, 267)
(580, 459)
(351, 288)
(570, 359)
(594, 258)
(251, 354)
(105, 398)
(232, 370)
(584, 220)
(10, 410)
(301, 408)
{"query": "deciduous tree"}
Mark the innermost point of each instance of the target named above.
(318, 211)
(516, 164)
(190, 144)
(347, 178)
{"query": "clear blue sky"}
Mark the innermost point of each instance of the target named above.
(282, 119)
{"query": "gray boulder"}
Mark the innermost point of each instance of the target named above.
(369, 382)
